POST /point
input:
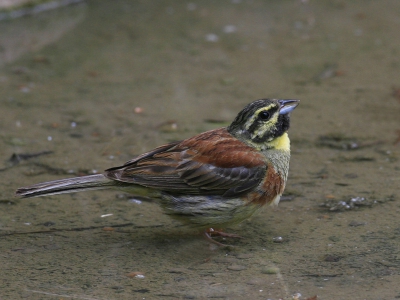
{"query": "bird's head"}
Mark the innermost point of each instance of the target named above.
(263, 123)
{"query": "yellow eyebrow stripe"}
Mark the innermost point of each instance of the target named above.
(255, 115)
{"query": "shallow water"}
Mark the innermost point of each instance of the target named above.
(99, 82)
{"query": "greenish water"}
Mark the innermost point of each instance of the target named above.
(99, 82)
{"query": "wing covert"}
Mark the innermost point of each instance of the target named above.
(189, 168)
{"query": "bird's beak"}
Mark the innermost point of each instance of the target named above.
(287, 106)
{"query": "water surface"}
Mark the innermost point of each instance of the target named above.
(99, 82)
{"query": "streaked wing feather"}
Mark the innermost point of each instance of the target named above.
(195, 167)
(234, 181)
(143, 156)
(248, 185)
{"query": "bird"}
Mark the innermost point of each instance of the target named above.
(215, 179)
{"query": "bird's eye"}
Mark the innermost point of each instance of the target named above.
(264, 115)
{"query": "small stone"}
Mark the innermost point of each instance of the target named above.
(236, 267)
(277, 239)
(108, 229)
(49, 223)
(332, 258)
(334, 238)
(230, 28)
(135, 274)
(118, 289)
(138, 110)
(296, 296)
(356, 223)
(212, 37)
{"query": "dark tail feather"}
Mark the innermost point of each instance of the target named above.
(64, 186)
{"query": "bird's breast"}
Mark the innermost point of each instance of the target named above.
(270, 188)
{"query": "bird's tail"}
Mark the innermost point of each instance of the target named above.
(63, 186)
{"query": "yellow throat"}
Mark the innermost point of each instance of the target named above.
(280, 143)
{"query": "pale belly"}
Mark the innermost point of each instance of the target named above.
(210, 211)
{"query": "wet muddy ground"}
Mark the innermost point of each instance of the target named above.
(88, 86)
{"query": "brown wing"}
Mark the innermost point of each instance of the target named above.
(213, 162)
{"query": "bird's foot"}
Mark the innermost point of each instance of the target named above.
(210, 232)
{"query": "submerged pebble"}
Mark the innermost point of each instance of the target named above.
(212, 37)
(353, 203)
(135, 274)
(236, 267)
(277, 239)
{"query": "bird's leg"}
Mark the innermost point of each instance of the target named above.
(208, 233)
(219, 232)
